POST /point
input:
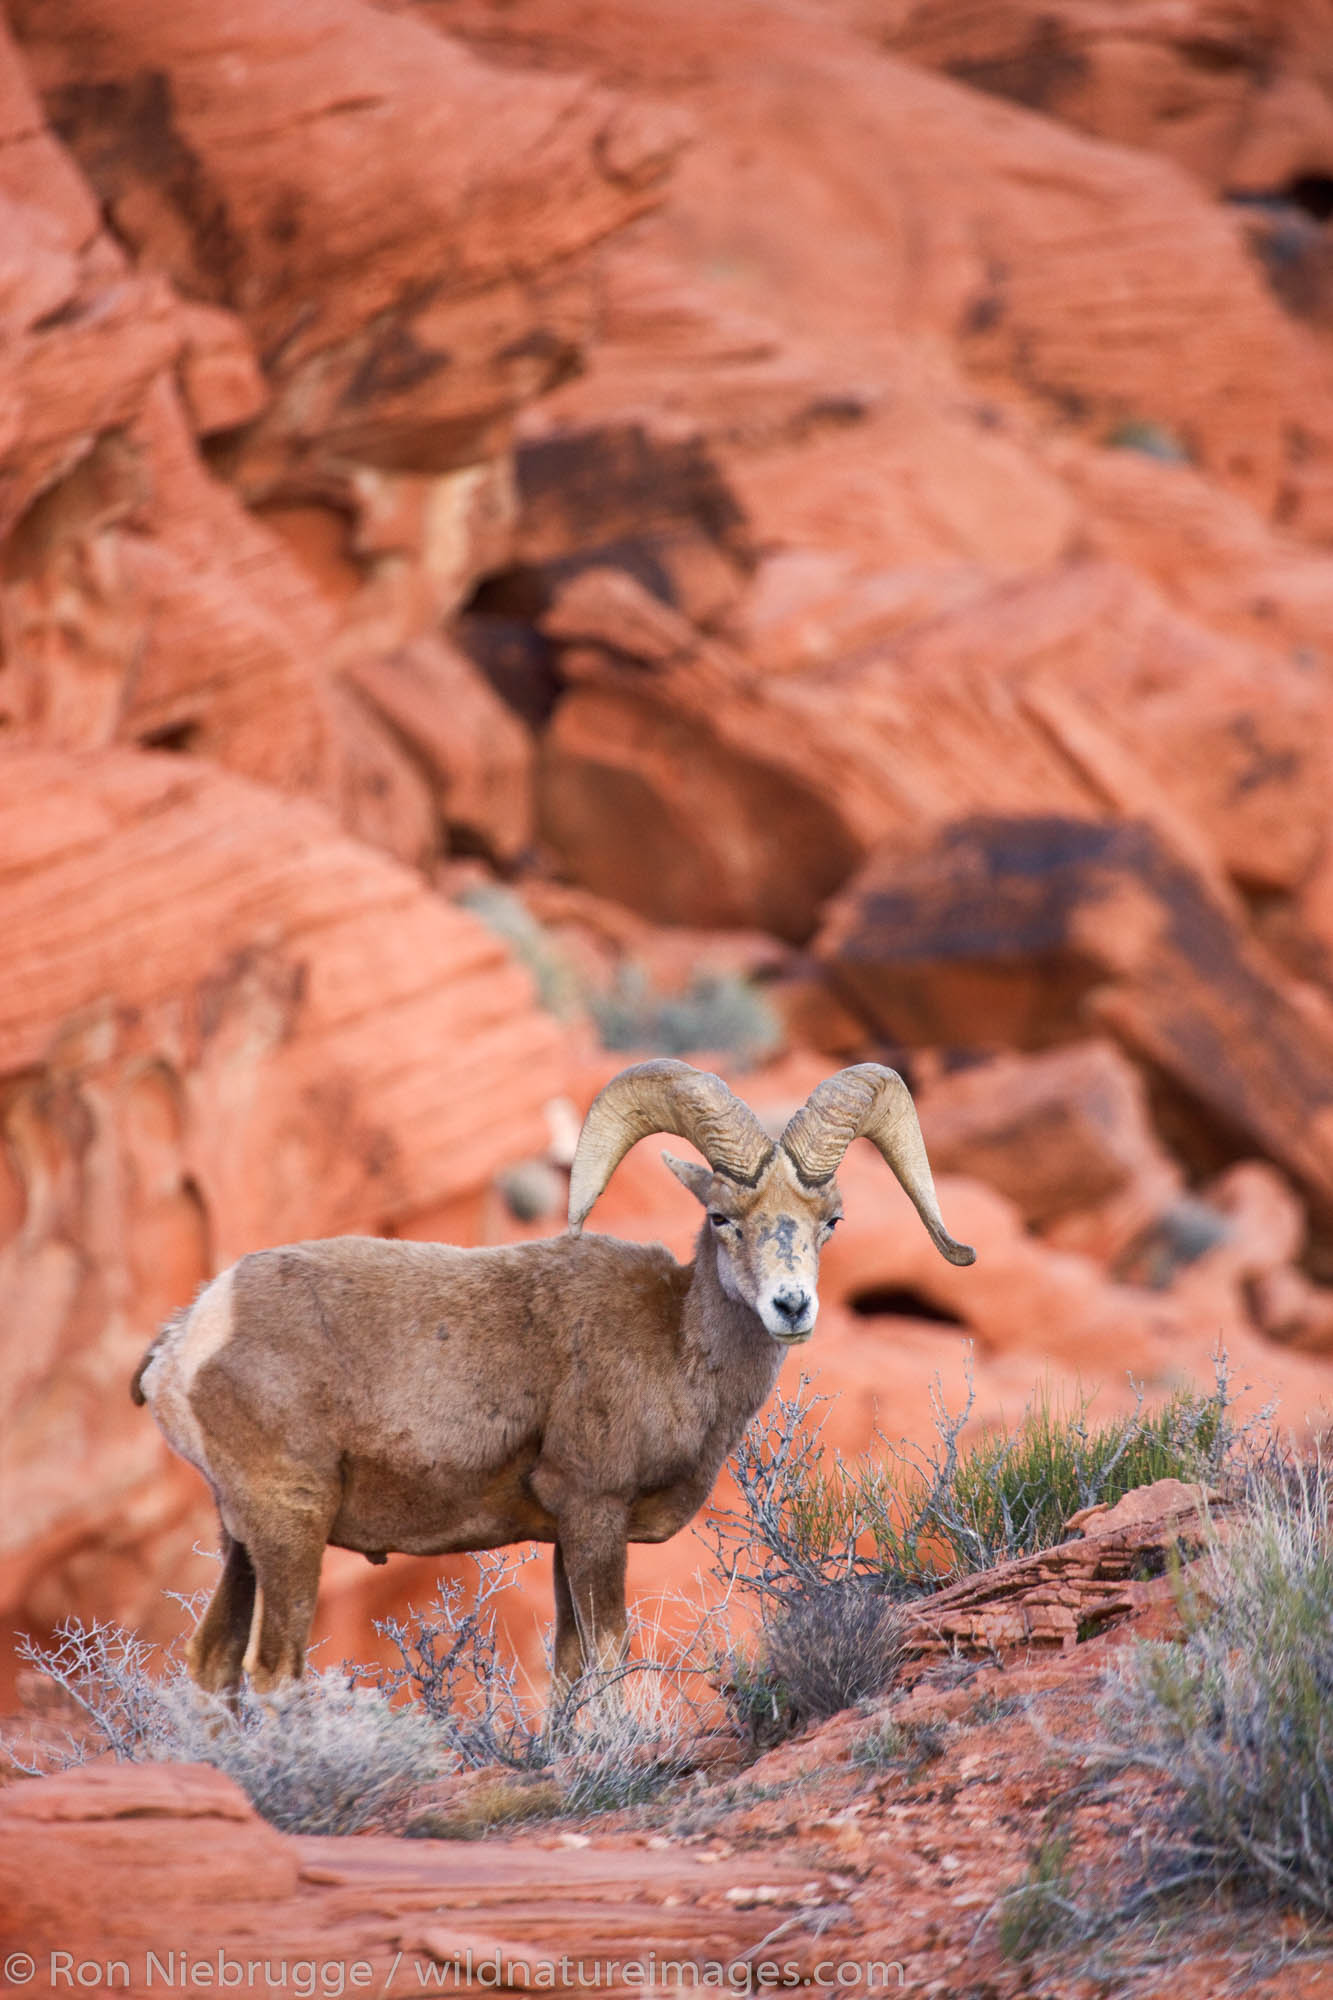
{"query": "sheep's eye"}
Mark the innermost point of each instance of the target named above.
(718, 1220)
(833, 1222)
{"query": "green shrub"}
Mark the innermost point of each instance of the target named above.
(896, 1746)
(1040, 1910)
(914, 1519)
(719, 1011)
(1154, 440)
(1012, 1495)
(509, 918)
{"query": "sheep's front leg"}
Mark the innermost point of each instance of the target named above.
(286, 1553)
(568, 1645)
(590, 1559)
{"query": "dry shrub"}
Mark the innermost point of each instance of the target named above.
(323, 1756)
(1239, 1718)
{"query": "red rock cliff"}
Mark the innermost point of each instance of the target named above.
(839, 490)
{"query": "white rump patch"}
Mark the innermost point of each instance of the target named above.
(168, 1379)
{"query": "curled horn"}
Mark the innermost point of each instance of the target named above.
(665, 1096)
(869, 1101)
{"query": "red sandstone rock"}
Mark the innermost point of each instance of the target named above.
(810, 607)
(1209, 552)
(1028, 931)
(644, 494)
(1224, 747)
(221, 378)
(694, 800)
(1061, 1134)
(752, 798)
(198, 632)
(1164, 1503)
(477, 756)
(424, 540)
(166, 1837)
(226, 1025)
(827, 176)
(1076, 690)
(1265, 1218)
(383, 795)
(1250, 1265)
(1241, 95)
(1061, 1595)
(813, 1015)
(171, 1861)
(83, 335)
(396, 291)
(1293, 1311)
(606, 607)
(144, 604)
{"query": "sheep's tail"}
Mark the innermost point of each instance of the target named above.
(136, 1380)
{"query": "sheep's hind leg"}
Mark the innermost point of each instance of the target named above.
(287, 1552)
(216, 1652)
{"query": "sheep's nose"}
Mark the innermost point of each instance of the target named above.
(792, 1304)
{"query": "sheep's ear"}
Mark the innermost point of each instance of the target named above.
(699, 1180)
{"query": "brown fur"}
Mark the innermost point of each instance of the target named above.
(411, 1396)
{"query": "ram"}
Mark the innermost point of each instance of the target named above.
(582, 1391)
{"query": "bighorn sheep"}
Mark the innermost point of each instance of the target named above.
(580, 1390)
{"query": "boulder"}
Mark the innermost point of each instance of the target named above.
(707, 793)
(584, 491)
(1066, 1135)
(1076, 690)
(1062, 1596)
(693, 799)
(1021, 933)
(607, 607)
(179, 1837)
(1293, 1311)
(642, 497)
(220, 376)
(475, 754)
(1232, 1252)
